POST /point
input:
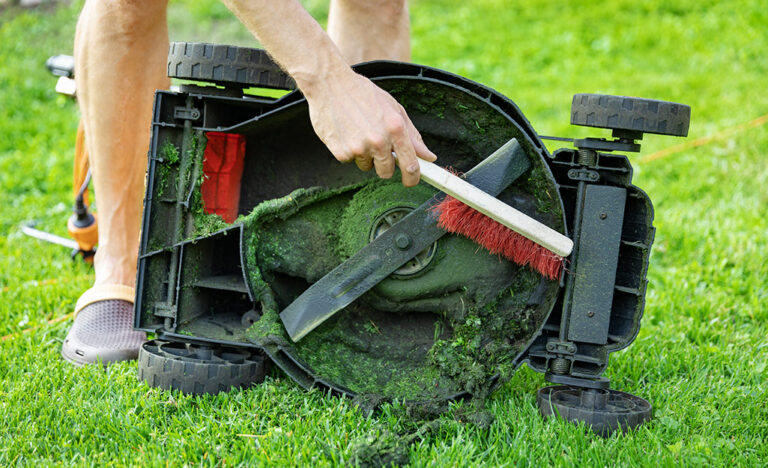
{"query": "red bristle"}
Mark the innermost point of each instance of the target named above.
(458, 218)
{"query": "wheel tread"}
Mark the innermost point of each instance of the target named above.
(630, 113)
(204, 377)
(226, 65)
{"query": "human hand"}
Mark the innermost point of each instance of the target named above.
(357, 120)
(360, 122)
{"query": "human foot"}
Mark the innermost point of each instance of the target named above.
(103, 331)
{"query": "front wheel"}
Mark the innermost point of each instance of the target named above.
(630, 114)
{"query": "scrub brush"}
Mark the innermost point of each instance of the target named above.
(503, 230)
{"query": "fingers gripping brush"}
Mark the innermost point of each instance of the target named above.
(503, 230)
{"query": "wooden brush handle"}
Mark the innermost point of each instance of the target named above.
(492, 207)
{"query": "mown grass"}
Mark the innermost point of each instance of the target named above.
(701, 353)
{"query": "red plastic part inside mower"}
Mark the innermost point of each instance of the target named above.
(223, 168)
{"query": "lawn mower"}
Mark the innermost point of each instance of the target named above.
(247, 215)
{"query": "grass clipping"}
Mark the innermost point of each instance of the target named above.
(429, 350)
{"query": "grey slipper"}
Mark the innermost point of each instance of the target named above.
(103, 331)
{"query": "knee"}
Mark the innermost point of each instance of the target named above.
(127, 18)
(390, 7)
(383, 10)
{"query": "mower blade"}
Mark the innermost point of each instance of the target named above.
(392, 249)
(47, 237)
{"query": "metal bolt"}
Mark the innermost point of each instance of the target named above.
(402, 241)
(590, 314)
(603, 215)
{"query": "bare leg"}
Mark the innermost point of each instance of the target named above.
(120, 54)
(371, 29)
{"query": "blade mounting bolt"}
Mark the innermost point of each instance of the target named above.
(402, 241)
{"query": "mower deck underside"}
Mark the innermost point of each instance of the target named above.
(445, 329)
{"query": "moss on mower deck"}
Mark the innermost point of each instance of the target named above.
(337, 351)
(345, 353)
(169, 154)
(491, 336)
(537, 184)
(377, 197)
(364, 350)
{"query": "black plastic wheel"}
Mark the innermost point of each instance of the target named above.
(630, 113)
(226, 65)
(198, 370)
(605, 411)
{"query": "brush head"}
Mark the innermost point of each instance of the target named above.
(458, 218)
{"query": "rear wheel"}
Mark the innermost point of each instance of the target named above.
(227, 66)
(198, 369)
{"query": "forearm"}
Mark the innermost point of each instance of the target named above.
(294, 39)
(357, 120)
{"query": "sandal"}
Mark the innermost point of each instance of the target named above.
(103, 327)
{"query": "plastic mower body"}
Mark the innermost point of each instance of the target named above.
(246, 211)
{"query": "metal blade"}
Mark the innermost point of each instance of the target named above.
(399, 244)
(48, 237)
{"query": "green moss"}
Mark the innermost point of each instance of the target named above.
(267, 330)
(169, 155)
(192, 175)
(155, 276)
(274, 232)
(162, 184)
(169, 152)
(389, 367)
(208, 223)
(424, 98)
(376, 198)
(305, 245)
(294, 235)
(489, 338)
(371, 328)
(261, 242)
(538, 184)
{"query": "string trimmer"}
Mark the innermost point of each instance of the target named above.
(82, 226)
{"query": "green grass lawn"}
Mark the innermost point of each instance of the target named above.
(700, 357)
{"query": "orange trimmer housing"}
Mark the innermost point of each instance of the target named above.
(82, 226)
